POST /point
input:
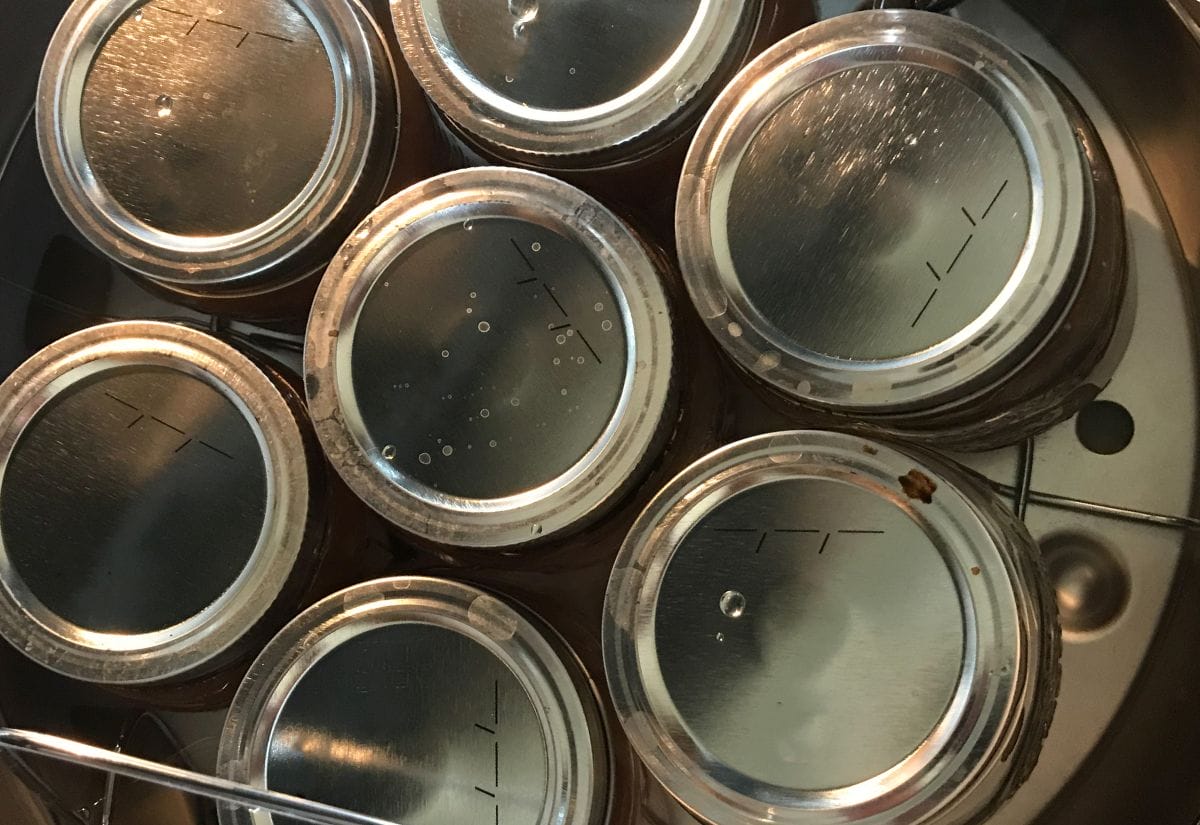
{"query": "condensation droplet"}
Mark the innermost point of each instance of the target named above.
(445, 353)
(468, 225)
(165, 105)
(492, 443)
(606, 326)
(599, 307)
(484, 326)
(684, 91)
(469, 310)
(557, 361)
(536, 247)
(571, 70)
(562, 339)
(570, 333)
(768, 361)
(733, 604)
(516, 402)
(389, 452)
(139, 16)
(485, 413)
(425, 458)
(563, 391)
(508, 78)
(473, 295)
(536, 529)
(720, 637)
(447, 451)
(735, 329)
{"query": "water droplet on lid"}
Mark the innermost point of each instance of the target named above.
(165, 105)
(563, 391)
(684, 91)
(570, 333)
(562, 339)
(389, 452)
(139, 16)
(571, 70)
(508, 78)
(735, 329)
(733, 604)
(606, 326)
(447, 451)
(484, 326)
(485, 412)
(557, 361)
(536, 247)
(720, 637)
(536, 529)
(516, 402)
(425, 458)
(579, 360)
(469, 310)
(473, 295)
(468, 225)
(445, 353)
(492, 443)
(599, 307)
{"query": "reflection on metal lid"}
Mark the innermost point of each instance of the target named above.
(807, 627)
(421, 701)
(490, 358)
(884, 211)
(153, 492)
(566, 78)
(204, 144)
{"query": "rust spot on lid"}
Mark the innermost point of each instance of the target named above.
(975, 571)
(918, 485)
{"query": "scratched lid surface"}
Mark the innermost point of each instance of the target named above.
(496, 349)
(883, 212)
(146, 471)
(420, 701)
(207, 142)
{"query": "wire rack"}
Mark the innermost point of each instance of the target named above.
(116, 763)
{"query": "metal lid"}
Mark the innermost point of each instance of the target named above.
(202, 143)
(807, 627)
(489, 359)
(561, 79)
(421, 701)
(883, 211)
(153, 497)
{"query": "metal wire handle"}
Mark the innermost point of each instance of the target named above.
(210, 787)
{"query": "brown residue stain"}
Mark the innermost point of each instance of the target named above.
(975, 571)
(918, 485)
(869, 450)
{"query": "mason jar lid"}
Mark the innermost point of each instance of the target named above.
(154, 491)
(883, 212)
(807, 627)
(555, 79)
(489, 358)
(205, 142)
(422, 701)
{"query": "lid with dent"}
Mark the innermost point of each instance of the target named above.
(490, 358)
(153, 495)
(561, 78)
(420, 701)
(810, 628)
(882, 212)
(205, 142)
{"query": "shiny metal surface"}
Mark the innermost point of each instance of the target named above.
(153, 498)
(889, 215)
(809, 627)
(554, 82)
(420, 701)
(527, 387)
(212, 146)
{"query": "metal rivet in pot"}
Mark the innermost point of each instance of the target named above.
(421, 701)
(217, 148)
(489, 360)
(808, 627)
(893, 217)
(154, 504)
